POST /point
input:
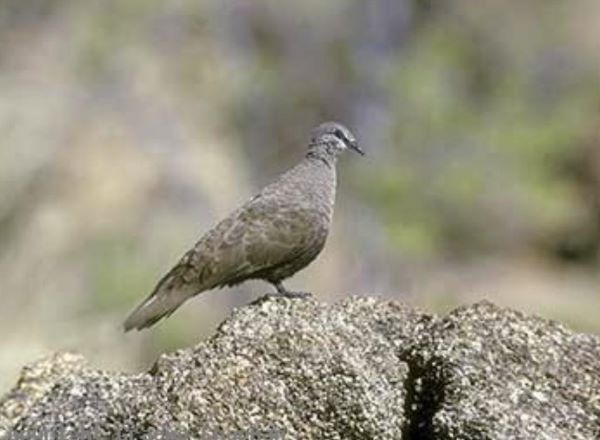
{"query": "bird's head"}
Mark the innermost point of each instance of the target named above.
(330, 139)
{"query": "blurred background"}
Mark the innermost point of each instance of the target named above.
(128, 127)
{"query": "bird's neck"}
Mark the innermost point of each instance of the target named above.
(320, 153)
(317, 178)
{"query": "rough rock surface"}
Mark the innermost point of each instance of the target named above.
(491, 373)
(359, 369)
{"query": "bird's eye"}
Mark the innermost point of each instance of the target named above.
(339, 134)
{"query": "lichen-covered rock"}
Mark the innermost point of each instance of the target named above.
(35, 381)
(491, 373)
(359, 369)
(301, 368)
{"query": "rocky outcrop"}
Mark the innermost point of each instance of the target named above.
(359, 369)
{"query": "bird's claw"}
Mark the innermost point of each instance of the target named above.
(289, 294)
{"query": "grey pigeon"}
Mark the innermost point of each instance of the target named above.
(272, 236)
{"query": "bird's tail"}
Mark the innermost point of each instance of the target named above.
(166, 298)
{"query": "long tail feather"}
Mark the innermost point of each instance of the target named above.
(168, 295)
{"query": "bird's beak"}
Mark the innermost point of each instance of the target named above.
(354, 146)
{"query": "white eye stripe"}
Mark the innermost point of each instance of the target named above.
(341, 136)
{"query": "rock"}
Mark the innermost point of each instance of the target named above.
(35, 381)
(491, 373)
(361, 368)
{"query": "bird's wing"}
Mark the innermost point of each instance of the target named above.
(262, 234)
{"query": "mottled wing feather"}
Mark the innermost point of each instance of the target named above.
(263, 234)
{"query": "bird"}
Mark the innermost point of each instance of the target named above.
(276, 233)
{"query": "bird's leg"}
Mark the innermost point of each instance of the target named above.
(282, 291)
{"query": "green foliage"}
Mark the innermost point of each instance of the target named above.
(479, 143)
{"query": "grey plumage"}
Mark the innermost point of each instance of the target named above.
(272, 236)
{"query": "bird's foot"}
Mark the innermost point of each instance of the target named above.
(290, 294)
(275, 295)
(283, 292)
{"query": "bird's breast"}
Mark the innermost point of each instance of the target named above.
(309, 193)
